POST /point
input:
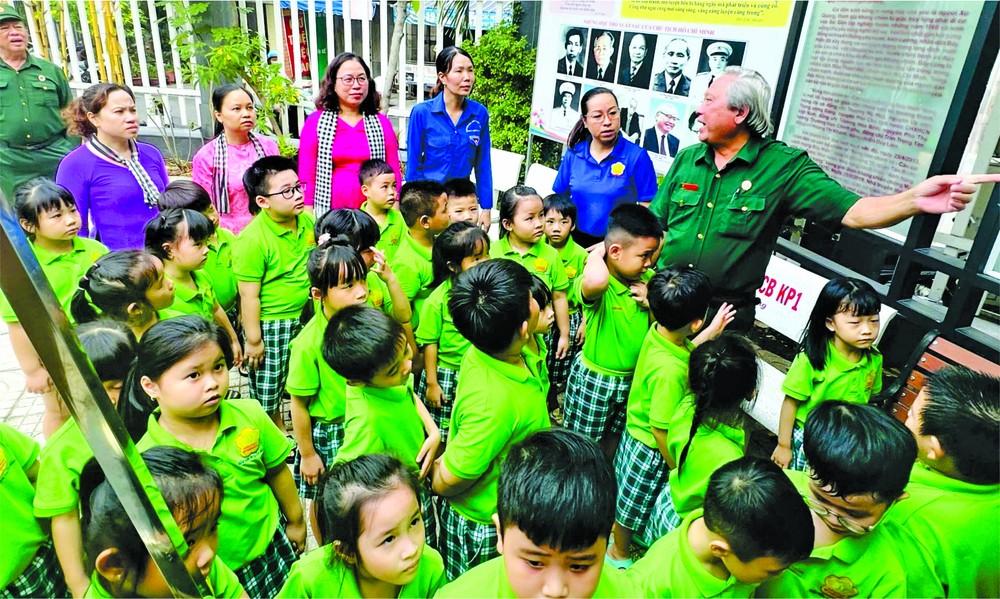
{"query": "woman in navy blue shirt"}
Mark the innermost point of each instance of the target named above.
(602, 168)
(449, 135)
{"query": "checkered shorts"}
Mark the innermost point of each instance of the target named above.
(464, 543)
(327, 438)
(448, 379)
(642, 473)
(798, 451)
(559, 367)
(268, 381)
(264, 576)
(595, 402)
(42, 577)
(664, 518)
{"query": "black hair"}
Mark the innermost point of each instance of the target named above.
(191, 489)
(454, 244)
(838, 295)
(570, 33)
(40, 195)
(628, 222)
(723, 373)
(579, 132)
(489, 303)
(328, 99)
(255, 179)
(419, 198)
(165, 343)
(114, 282)
(558, 487)
(360, 341)
(460, 188)
(755, 507)
(372, 168)
(357, 227)
(219, 95)
(678, 296)
(183, 193)
(168, 226)
(962, 409)
(331, 263)
(540, 292)
(344, 491)
(561, 203)
(508, 204)
(858, 450)
(443, 62)
(110, 345)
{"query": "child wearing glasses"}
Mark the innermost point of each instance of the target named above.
(269, 261)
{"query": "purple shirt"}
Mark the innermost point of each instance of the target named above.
(108, 196)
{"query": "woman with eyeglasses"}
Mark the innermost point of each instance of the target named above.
(345, 130)
(601, 167)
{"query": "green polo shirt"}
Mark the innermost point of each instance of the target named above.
(320, 574)
(541, 260)
(247, 445)
(496, 405)
(382, 421)
(391, 233)
(190, 301)
(957, 524)
(615, 327)
(713, 445)
(437, 326)
(220, 267)
(62, 460)
(573, 257)
(854, 382)
(490, 579)
(62, 271)
(660, 383)
(22, 533)
(276, 258)
(536, 362)
(725, 223)
(412, 265)
(865, 566)
(222, 581)
(671, 569)
(310, 375)
(378, 293)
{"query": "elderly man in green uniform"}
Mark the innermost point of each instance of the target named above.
(723, 201)
(32, 94)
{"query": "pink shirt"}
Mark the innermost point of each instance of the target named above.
(238, 160)
(350, 149)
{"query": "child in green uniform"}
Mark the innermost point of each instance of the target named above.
(953, 508)
(122, 566)
(28, 564)
(678, 299)
(460, 247)
(535, 350)
(612, 291)
(183, 367)
(754, 525)
(382, 414)
(111, 348)
(269, 261)
(371, 517)
(378, 185)
(836, 360)
(859, 461)
(559, 214)
(463, 204)
(706, 430)
(47, 214)
(555, 504)
(499, 401)
(522, 240)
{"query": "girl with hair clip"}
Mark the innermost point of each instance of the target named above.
(837, 359)
(448, 136)
(219, 165)
(47, 213)
(374, 533)
(182, 369)
(121, 564)
(535, 349)
(179, 238)
(111, 347)
(460, 247)
(707, 429)
(128, 286)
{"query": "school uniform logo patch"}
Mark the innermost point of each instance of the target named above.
(571, 272)
(3, 464)
(870, 382)
(541, 265)
(838, 587)
(474, 130)
(376, 298)
(618, 169)
(248, 441)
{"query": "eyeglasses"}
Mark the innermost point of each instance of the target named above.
(288, 193)
(600, 116)
(349, 80)
(851, 525)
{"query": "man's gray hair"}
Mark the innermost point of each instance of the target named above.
(749, 90)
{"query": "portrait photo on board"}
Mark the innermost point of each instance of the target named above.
(605, 46)
(565, 106)
(632, 112)
(673, 67)
(636, 65)
(716, 55)
(575, 50)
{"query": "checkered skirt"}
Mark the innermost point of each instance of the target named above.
(664, 518)
(464, 544)
(798, 451)
(642, 473)
(267, 382)
(327, 438)
(595, 402)
(264, 576)
(448, 379)
(559, 367)
(42, 577)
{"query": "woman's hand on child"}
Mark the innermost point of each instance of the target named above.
(311, 468)
(296, 532)
(435, 395)
(782, 456)
(253, 354)
(562, 346)
(38, 381)
(428, 453)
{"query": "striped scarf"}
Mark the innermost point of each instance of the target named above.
(220, 177)
(326, 131)
(150, 193)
